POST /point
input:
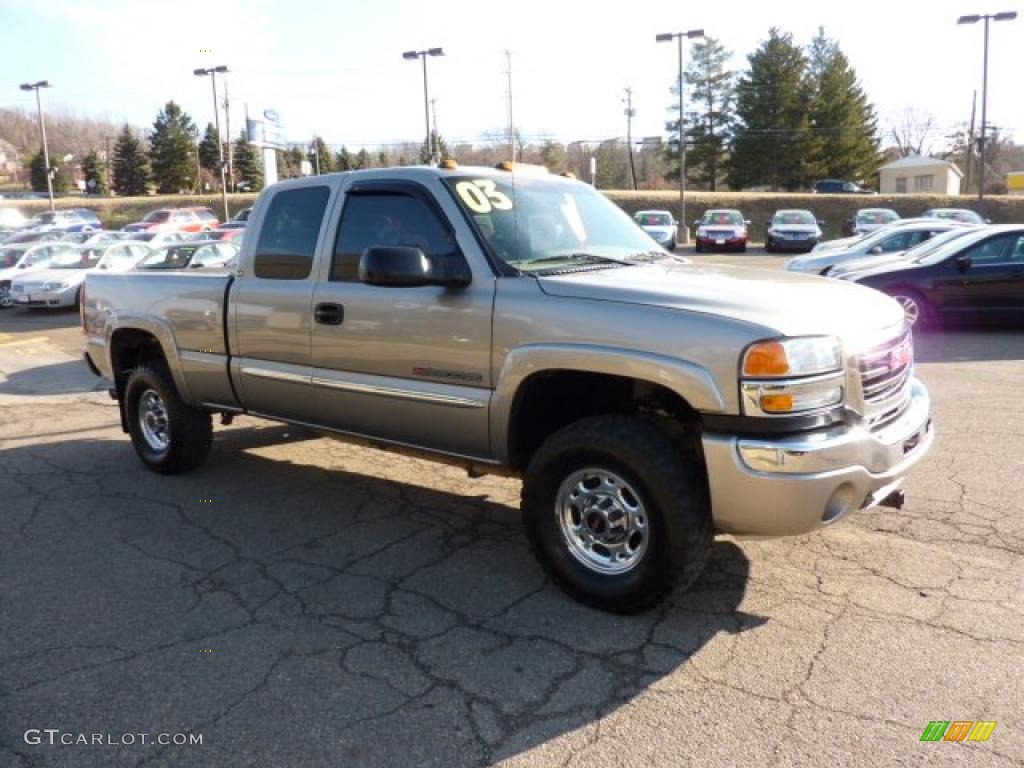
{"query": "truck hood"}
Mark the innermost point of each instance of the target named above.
(790, 304)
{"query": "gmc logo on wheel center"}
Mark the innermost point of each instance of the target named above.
(900, 356)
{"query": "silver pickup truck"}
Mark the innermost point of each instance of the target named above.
(518, 322)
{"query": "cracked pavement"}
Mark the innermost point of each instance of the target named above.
(302, 602)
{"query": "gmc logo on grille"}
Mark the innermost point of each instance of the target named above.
(899, 356)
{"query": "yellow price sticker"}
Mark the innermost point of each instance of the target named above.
(483, 196)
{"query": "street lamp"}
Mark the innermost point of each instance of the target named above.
(212, 72)
(667, 37)
(42, 129)
(412, 56)
(974, 19)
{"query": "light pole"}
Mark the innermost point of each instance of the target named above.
(212, 72)
(667, 37)
(42, 130)
(1005, 16)
(412, 56)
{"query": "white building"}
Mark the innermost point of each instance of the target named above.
(919, 175)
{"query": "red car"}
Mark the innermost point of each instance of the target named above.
(194, 219)
(721, 228)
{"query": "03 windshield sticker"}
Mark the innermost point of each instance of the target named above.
(483, 196)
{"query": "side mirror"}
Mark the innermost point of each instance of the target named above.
(696, 223)
(820, 222)
(963, 263)
(407, 267)
(876, 249)
(746, 222)
(988, 221)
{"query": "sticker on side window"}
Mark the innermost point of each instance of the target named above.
(483, 196)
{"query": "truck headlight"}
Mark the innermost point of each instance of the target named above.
(791, 376)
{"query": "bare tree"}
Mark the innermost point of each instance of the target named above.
(913, 131)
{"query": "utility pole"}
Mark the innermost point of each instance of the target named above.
(436, 134)
(630, 114)
(42, 130)
(227, 130)
(412, 56)
(212, 73)
(511, 124)
(970, 144)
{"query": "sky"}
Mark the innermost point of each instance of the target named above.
(336, 68)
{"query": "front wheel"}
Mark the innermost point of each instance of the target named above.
(915, 308)
(616, 514)
(6, 300)
(168, 435)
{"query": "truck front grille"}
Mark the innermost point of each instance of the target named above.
(885, 373)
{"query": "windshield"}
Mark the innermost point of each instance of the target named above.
(242, 215)
(653, 219)
(541, 223)
(805, 218)
(157, 216)
(41, 219)
(923, 251)
(168, 257)
(723, 218)
(73, 258)
(956, 214)
(876, 217)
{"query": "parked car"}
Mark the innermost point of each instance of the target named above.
(64, 220)
(792, 230)
(660, 225)
(964, 215)
(977, 276)
(238, 221)
(11, 220)
(96, 238)
(839, 187)
(922, 249)
(867, 220)
(207, 216)
(60, 284)
(224, 235)
(885, 240)
(721, 229)
(646, 403)
(160, 237)
(22, 259)
(189, 256)
(34, 236)
(172, 220)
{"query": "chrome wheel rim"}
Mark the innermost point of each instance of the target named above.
(911, 310)
(5, 297)
(602, 520)
(153, 421)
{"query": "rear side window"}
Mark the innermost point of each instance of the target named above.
(386, 219)
(289, 233)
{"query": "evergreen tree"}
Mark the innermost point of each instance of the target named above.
(94, 171)
(130, 166)
(343, 160)
(711, 91)
(248, 164)
(324, 155)
(438, 141)
(769, 143)
(843, 139)
(553, 156)
(382, 159)
(363, 159)
(37, 172)
(172, 147)
(209, 152)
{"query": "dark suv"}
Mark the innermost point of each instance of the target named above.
(839, 187)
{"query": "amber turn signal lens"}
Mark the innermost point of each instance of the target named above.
(776, 403)
(766, 359)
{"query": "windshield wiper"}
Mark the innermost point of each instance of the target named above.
(592, 258)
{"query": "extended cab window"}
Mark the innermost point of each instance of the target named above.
(379, 218)
(289, 232)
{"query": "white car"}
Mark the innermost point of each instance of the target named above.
(202, 255)
(792, 230)
(60, 285)
(660, 225)
(22, 259)
(11, 220)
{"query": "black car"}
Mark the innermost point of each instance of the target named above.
(977, 276)
(839, 187)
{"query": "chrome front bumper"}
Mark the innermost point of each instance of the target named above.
(792, 485)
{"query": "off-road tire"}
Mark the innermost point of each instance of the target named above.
(671, 485)
(189, 430)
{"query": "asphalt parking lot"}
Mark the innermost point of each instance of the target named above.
(301, 602)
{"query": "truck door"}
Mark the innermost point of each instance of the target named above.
(271, 305)
(407, 364)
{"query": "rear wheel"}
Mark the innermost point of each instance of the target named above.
(168, 435)
(616, 514)
(915, 308)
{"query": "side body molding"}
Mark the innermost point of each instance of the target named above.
(692, 382)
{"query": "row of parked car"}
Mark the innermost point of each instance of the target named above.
(789, 229)
(44, 261)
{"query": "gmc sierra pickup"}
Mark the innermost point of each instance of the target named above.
(518, 322)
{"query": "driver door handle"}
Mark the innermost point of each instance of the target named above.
(329, 314)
